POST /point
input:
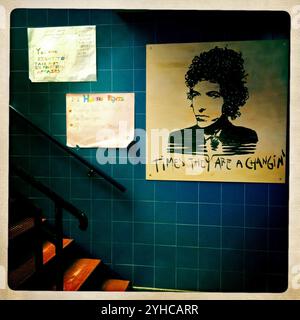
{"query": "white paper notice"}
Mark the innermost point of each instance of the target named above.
(100, 120)
(59, 54)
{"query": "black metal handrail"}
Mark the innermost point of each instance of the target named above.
(92, 168)
(60, 204)
(58, 200)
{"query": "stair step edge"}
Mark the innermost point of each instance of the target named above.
(21, 227)
(27, 269)
(115, 285)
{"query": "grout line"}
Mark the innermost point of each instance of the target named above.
(268, 237)
(244, 239)
(221, 235)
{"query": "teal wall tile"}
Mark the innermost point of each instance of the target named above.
(122, 36)
(165, 191)
(19, 145)
(187, 191)
(79, 17)
(209, 214)
(57, 17)
(104, 61)
(233, 238)
(233, 193)
(210, 192)
(19, 101)
(165, 256)
(122, 210)
(122, 253)
(139, 57)
(165, 234)
(144, 190)
(85, 206)
(103, 36)
(122, 232)
(143, 211)
(139, 80)
(104, 82)
(233, 260)
(278, 240)
(38, 103)
(101, 211)
(165, 278)
(80, 87)
(165, 212)
(187, 213)
(80, 188)
(232, 281)
(187, 236)
(209, 237)
(18, 18)
(39, 146)
(100, 17)
(143, 34)
(122, 80)
(257, 262)
(209, 280)
(187, 279)
(103, 250)
(256, 194)
(101, 232)
(61, 186)
(122, 58)
(256, 216)
(57, 103)
(144, 276)
(233, 215)
(144, 233)
(140, 102)
(62, 87)
(209, 259)
(37, 18)
(278, 194)
(58, 124)
(187, 257)
(278, 216)
(19, 82)
(256, 239)
(143, 255)
(39, 166)
(18, 38)
(18, 60)
(122, 171)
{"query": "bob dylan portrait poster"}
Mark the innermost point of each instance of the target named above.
(217, 111)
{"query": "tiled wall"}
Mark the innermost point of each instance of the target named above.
(163, 234)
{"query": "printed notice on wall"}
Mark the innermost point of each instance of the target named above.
(100, 120)
(60, 54)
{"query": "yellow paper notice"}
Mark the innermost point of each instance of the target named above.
(100, 120)
(60, 54)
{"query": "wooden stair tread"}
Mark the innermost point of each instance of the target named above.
(49, 249)
(27, 269)
(78, 272)
(115, 285)
(21, 227)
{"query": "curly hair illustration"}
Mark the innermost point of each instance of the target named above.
(225, 67)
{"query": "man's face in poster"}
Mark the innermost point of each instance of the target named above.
(207, 103)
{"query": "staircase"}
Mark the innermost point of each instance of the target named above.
(35, 264)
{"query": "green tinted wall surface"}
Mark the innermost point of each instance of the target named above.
(162, 234)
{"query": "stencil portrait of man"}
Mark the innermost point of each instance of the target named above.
(216, 82)
(217, 111)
